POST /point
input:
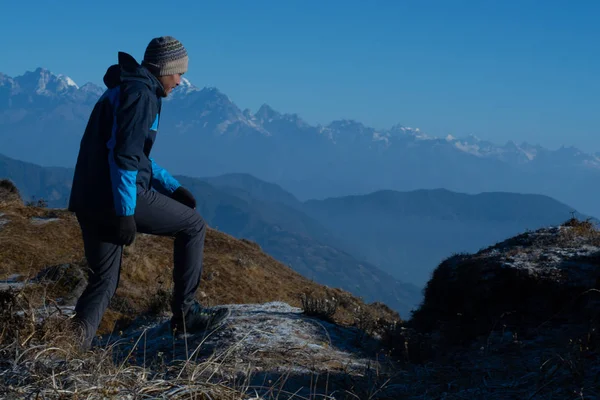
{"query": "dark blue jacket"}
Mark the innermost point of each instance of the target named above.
(114, 156)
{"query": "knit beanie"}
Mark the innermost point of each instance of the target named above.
(165, 55)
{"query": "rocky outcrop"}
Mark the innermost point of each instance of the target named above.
(549, 276)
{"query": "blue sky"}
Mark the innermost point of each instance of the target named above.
(519, 70)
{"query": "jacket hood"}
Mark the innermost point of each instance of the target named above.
(127, 70)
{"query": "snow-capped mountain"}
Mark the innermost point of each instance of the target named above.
(6, 82)
(203, 132)
(185, 88)
(91, 89)
(266, 114)
(42, 88)
(208, 109)
(44, 82)
(349, 131)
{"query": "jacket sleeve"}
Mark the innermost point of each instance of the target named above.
(162, 181)
(126, 146)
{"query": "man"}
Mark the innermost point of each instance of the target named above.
(118, 189)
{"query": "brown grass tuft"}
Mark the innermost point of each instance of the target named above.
(576, 230)
(24, 323)
(9, 193)
(320, 307)
(160, 301)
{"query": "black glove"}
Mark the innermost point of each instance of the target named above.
(126, 229)
(184, 196)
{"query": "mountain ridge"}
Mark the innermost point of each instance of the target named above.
(204, 133)
(469, 143)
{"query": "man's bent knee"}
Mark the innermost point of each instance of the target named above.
(196, 226)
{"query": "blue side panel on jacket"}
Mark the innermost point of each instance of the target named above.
(162, 181)
(123, 181)
(154, 126)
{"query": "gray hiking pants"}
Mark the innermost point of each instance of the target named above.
(155, 214)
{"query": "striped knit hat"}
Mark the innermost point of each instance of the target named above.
(165, 55)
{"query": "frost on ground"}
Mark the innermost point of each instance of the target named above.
(3, 221)
(261, 341)
(43, 220)
(12, 281)
(265, 335)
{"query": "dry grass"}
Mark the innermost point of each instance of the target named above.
(579, 229)
(160, 301)
(321, 307)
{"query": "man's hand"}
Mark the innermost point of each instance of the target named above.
(184, 196)
(126, 230)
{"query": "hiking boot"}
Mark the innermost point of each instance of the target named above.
(199, 319)
(82, 339)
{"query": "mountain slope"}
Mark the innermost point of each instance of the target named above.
(474, 329)
(248, 185)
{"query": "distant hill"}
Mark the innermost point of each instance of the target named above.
(52, 184)
(246, 185)
(409, 233)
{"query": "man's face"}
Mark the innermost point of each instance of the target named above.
(170, 82)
